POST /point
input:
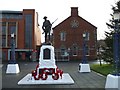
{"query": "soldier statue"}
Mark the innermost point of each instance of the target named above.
(46, 28)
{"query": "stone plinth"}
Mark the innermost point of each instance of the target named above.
(27, 80)
(12, 69)
(84, 67)
(47, 57)
(112, 81)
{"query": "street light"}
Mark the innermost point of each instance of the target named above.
(12, 66)
(84, 59)
(116, 16)
(84, 66)
(112, 80)
(12, 61)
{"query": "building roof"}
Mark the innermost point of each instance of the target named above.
(74, 13)
(10, 12)
(70, 17)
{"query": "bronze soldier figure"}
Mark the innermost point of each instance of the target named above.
(46, 28)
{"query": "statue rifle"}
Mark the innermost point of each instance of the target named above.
(51, 24)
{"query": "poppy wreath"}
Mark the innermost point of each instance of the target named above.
(37, 78)
(57, 70)
(51, 71)
(44, 76)
(37, 66)
(61, 72)
(56, 67)
(55, 76)
(34, 73)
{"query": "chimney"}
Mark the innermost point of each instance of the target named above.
(74, 11)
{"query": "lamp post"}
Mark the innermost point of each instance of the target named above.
(84, 66)
(84, 59)
(113, 79)
(12, 61)
(116, 16)
(12, 66)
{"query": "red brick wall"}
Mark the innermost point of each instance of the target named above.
(21, 37)
(75, 35)
(21, 30)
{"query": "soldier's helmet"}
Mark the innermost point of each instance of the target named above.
(44, 17)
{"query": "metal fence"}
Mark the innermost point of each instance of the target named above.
(59, 56)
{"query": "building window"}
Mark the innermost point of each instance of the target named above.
(3, 41)
(74, 50)
(28, 30)
(11, 30)
(8, 28)
(3, 34)
(4, 30)
(12, 16)
(62, 36)
(63, 51)
(87, 36)
(4, 55)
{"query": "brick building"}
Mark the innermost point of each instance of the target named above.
(24, 24)
(68, 37)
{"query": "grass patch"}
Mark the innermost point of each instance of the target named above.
(105, 69)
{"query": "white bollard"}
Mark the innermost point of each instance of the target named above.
(113, 81)
(84, 67)
(12, 69)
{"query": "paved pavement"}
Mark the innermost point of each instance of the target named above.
(82, 80)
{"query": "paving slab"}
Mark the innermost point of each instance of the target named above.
(66, 79)
(81, 80)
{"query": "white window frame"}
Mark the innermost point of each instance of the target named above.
(62, 36)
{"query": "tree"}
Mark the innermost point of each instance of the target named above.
(118, 5)
(107, 55)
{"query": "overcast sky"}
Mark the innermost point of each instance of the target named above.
(96, 12)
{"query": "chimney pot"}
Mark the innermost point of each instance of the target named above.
(74, 11)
